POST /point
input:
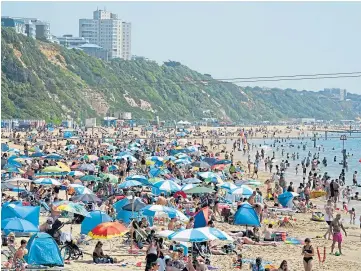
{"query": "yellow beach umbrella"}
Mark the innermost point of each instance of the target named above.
(63, 166)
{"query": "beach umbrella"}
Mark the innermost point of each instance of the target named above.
(207, 174)
(88, 167)
(94, 219)
(129, 183)
(47, 181)
(70, 147)
(139, 178)
(112, 147)
(216, 180)
(54, 169)
(89, 178)
(112, 178)
(154, 180)
(18, 180)
(199, 190)
(90, 157)
(167, 186)
(135, 206)
(126, 157)
(182, 161)
(154, 172)
(63, 166)
(54, 156)
(164, 233)
(201, 164)
(181, 155)
(155, 158)
(188, 186)
(247, 191)
(191, 180)
(171, 158)
(228, 186)
(246, 216)
(210, 160)
(106, 157)
(76, 173)
(123, 153)
(223, 162)
(286, 198)
(16, 224)
(200, 235)
(160, 210)
(71, 207)
(108, 230)
(113, 167)
(86, 198)
(81, 189)
(37, 154)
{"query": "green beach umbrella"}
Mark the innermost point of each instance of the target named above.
(90, 178)
(112, 178)
(106, 157)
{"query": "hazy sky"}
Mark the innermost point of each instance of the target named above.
(231, 39)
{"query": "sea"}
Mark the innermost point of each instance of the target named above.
(329, 148)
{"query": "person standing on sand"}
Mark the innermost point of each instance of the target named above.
(328, 218)
(335, 228)
(308, 253)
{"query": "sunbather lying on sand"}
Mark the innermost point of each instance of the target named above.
(247, 241)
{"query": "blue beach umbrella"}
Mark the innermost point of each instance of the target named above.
(138, 178)
(16, 224)
(94, 219)
(37, 154)
(54, 156)
(129, 183)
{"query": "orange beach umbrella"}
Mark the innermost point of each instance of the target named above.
(108, 230)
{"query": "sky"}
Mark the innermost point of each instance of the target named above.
(230, 39)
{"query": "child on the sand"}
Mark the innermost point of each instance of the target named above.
(352, 213)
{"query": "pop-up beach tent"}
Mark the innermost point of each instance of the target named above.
(286, 198)
(43, 250)
(246, 216)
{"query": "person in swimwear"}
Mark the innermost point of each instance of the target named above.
(308, 253)
(335, 227)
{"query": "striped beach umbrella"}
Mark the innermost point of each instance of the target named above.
(47, 181)
(167, 186)
(200, 235)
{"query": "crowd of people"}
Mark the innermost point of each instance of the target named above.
(115, 158)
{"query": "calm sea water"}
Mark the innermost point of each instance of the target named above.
(326, 148)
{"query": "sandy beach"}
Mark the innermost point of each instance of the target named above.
(303, 227)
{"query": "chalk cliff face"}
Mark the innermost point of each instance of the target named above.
(44, 80)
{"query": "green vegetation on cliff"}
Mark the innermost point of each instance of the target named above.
(43, 80)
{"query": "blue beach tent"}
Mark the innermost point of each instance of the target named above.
(43, 250)
(246, 216)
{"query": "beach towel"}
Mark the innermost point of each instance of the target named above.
(293, 241)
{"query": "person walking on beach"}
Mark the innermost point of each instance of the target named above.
(335, 228)
(308, 253)
(328, 218)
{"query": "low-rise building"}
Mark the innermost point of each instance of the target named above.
(70, 41)
(16, 23)
(95, 50)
